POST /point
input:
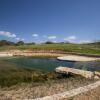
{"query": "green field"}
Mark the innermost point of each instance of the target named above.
(76, 48)
(10, 75)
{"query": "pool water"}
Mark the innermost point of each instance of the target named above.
(49, 64)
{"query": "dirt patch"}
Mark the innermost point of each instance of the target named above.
(33, 90)
(90, 95)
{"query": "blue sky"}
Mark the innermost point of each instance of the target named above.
(53, 20)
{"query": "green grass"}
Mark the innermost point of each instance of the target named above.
(76, 48)
(17, 76)
(11, 74)
(13, 77)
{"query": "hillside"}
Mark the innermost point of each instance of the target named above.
(93, 48)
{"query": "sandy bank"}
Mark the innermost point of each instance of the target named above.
(20, 53)
(5, 54)
(59, 55)
(77, 58)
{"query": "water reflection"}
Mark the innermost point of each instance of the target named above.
(49, 64)
(91, 66)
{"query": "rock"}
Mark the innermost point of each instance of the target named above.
(86, 74)
(96, 77)
(97, 73)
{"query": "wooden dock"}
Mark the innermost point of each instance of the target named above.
(86, 74)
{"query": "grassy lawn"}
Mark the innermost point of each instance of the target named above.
(77, 48)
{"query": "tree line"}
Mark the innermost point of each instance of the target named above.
(9, 43)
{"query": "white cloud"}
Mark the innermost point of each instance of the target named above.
(22, 39)
(35, 35)
(54, 41)
(10, 35)
(19, 39)
(70, 38)
(7, 34)
(85, 41)
(44, 36)
(52, 37)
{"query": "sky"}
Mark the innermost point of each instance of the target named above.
(38, 21)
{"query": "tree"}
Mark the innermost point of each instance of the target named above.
(49, 42)
(33, 43)
(5, 43)
(20, 43)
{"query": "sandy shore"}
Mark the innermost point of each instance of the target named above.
(5, 54)
(58, 55)
(77, 58)
(30, 54)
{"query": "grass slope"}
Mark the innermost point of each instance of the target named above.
(12, 74)
(77, 48)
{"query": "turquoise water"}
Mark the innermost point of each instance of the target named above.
(49, 64)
